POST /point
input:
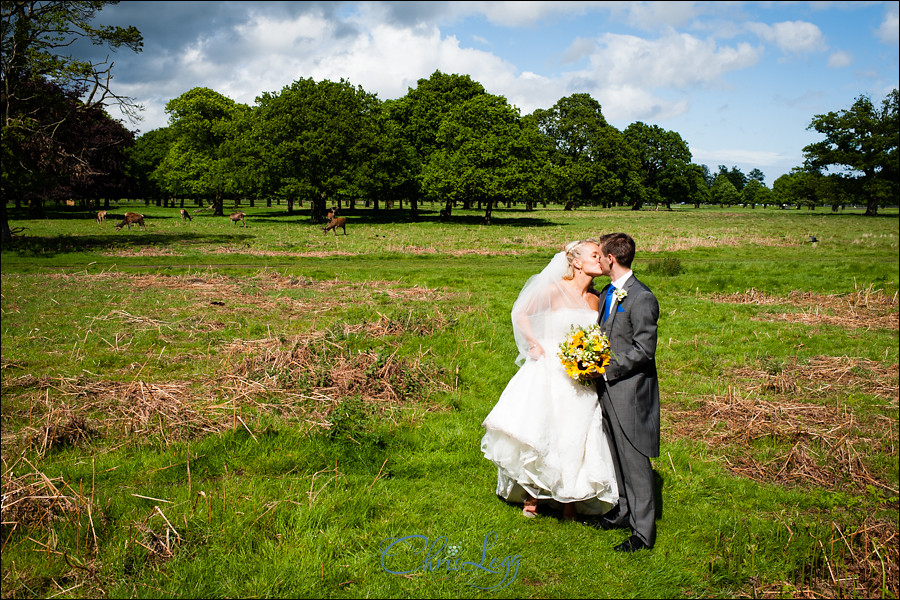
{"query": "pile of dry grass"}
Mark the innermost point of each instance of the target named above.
(827, 447)
(33, 500)
(313, 375)
(862, 309)
(824, 375)
(74, 431)
(304, 378)
(157, 536)
(268, 292)
(407, 324)
(85, 409)
(862, 563)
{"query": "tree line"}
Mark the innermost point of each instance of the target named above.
(329, 143)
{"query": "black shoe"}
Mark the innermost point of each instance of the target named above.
(632, 544)
(606, 524)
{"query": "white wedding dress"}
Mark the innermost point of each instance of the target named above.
(545, 433)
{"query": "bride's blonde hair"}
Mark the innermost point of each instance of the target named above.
(573, 251)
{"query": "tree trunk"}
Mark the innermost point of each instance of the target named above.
(36, 208)
(317, 214)
(487, 212)
(872, 207)
(5, 232)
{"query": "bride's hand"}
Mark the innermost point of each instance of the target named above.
(535, 352)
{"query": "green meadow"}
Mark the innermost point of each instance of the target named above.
(201, 409)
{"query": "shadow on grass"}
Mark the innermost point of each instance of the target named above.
(513, 218)
(50, 246)
(278, 215)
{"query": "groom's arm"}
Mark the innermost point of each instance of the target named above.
(644, 315)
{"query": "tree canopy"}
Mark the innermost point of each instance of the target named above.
(52, 101)
(446, 140)
(860, 146)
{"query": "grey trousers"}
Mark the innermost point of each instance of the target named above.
(634, 473)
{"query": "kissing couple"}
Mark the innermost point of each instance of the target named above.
(559, 442)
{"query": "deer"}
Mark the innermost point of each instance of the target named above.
(101, 216)
(185, 215)
(335, 222)
(238, 216)
(130, 218)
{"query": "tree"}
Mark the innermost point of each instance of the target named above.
(665, 162)
(735, 176)
(317, 138)
(723, 191)
(757, 175)
(36, 77)
(144, 158)
(756, 193)
(199, 161)
(800, 187)
(418, 117)
(392, 167)
(100, 146)
(485, 152)
(861, 145)
(699, 187)
(593, 162)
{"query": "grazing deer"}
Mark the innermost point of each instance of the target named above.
(130, 218)
(185, 215)
(238, 216)
(335, 222)
(101, 216)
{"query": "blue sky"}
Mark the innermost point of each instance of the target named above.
(739, 81)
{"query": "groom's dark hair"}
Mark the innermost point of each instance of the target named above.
(619, 245)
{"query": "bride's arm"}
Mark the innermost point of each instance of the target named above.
(523, 321)
(541, 304)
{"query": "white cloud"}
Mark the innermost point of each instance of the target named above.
(631, 77)
(791, 36)
(760, 158)
(530, 13)
(652, 15)
(674, 61)
(840, 59)
(889, 32)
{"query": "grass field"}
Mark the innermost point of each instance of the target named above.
(203, 409)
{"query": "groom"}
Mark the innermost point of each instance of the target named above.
(629, 391)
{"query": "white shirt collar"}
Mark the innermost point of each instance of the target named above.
(621, 281)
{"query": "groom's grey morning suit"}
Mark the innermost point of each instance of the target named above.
(630, 400)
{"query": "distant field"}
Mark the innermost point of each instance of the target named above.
(205, 409)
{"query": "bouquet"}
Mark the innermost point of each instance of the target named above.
(585, 352)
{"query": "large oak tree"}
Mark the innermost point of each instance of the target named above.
(860, 147)
(42, 87)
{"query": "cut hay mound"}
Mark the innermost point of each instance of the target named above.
(314, 375)
(304, 379)
(34, 500)
(826, 375)
(855, 562)
(269, 290)
(85, 409)
(827, 445)
(863, 309)
(74, 431)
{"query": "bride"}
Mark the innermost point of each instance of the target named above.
(545, 433)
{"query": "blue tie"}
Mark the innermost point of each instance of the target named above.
(607, 307)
